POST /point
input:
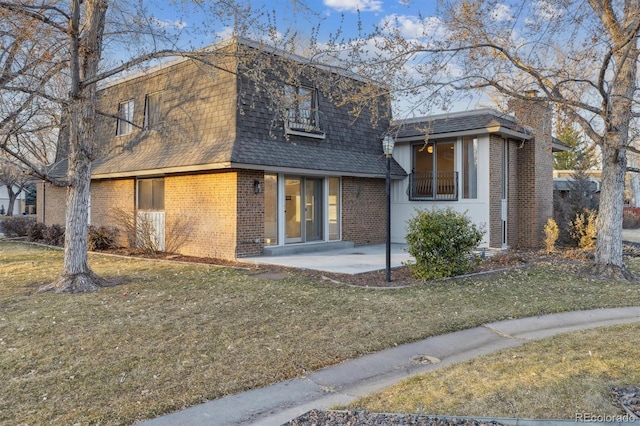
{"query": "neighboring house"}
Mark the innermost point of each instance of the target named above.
(211, 159)
(483, 163)
(230, 165)
(18, 205)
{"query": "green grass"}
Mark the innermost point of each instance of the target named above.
(179, 334)
(556, 378)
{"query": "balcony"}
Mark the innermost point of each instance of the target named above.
(303, 122)
(433, 186)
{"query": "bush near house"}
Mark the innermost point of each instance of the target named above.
(583, 229)
(102, 237)
(442, 243)
(18, 226)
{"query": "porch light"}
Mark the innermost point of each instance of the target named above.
(387, 146)
(257, 187)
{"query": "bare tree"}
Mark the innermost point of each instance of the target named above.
(15, 179)
(75, 44)
(580, 57)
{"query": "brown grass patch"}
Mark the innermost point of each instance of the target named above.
(177, 334)
(557, 378)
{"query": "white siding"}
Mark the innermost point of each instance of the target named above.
(402, 209)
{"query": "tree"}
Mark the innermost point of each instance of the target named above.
(580, 57)
(16, 180)
(52, 57)
(579, 156)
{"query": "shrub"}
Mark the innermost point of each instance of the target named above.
(551, 233)
(583, 229)
(35, 232)
(53, 235)
(102, 237)
(630, 219)
(442, 243)
(17, 226)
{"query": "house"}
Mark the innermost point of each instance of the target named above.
(253, 154)
(230, 159)
(18, 205)
(483, 163)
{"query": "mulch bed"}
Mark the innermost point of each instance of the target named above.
(400, 276)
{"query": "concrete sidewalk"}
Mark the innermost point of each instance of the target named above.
(345, 382)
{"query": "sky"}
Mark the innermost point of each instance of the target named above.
(329, 15)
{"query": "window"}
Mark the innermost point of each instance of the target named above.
(151, 194)
(470, 167)
(334, 208)
(152, 110)
(125, 118)
(270, 209)
(302, 110)
(434, 176)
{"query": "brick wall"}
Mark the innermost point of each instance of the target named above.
(513, 228)
(51, 204)
(109, 196)
(202, 207)
(535, 177)
(363, 212)
(495, 190)
(250, 208)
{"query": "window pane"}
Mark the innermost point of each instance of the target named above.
(151, 194)
(125, 118)
(270, 210)
(470, 167)
(152, 116)
(158, 194)
(145, 195)
(334, 208)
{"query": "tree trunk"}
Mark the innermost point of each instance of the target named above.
(608, 255)
(85, 48)
(76, 275)
(12, 200)
(635, 183)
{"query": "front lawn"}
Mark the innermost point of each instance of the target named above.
(173, 334)
(570, 376)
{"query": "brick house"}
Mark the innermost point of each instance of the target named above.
(237, 158)
(483, 163)
(251, 155)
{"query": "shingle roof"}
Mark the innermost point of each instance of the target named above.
(457, 122)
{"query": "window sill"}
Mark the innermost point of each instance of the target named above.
(314, 135)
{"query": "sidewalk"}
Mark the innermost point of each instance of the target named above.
(345, 382)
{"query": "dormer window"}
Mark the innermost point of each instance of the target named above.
(125, 118)
(302, 114)
(152, 110)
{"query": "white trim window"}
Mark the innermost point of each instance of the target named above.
(125, 118)
(470, 167)
(152, 110)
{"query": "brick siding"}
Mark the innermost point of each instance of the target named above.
(51, 204)
(363, 213)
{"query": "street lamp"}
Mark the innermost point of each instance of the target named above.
(387, 146)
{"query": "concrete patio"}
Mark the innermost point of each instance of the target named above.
(352, 260)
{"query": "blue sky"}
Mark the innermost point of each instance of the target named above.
(329, 15)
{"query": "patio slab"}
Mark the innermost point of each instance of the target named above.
(354, 260)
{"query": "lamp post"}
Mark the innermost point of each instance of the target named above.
(387, 146)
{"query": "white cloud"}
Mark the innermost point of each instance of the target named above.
(545, 10)
(412, 27)
(176, 25)
(501, 13)
(354, 5)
